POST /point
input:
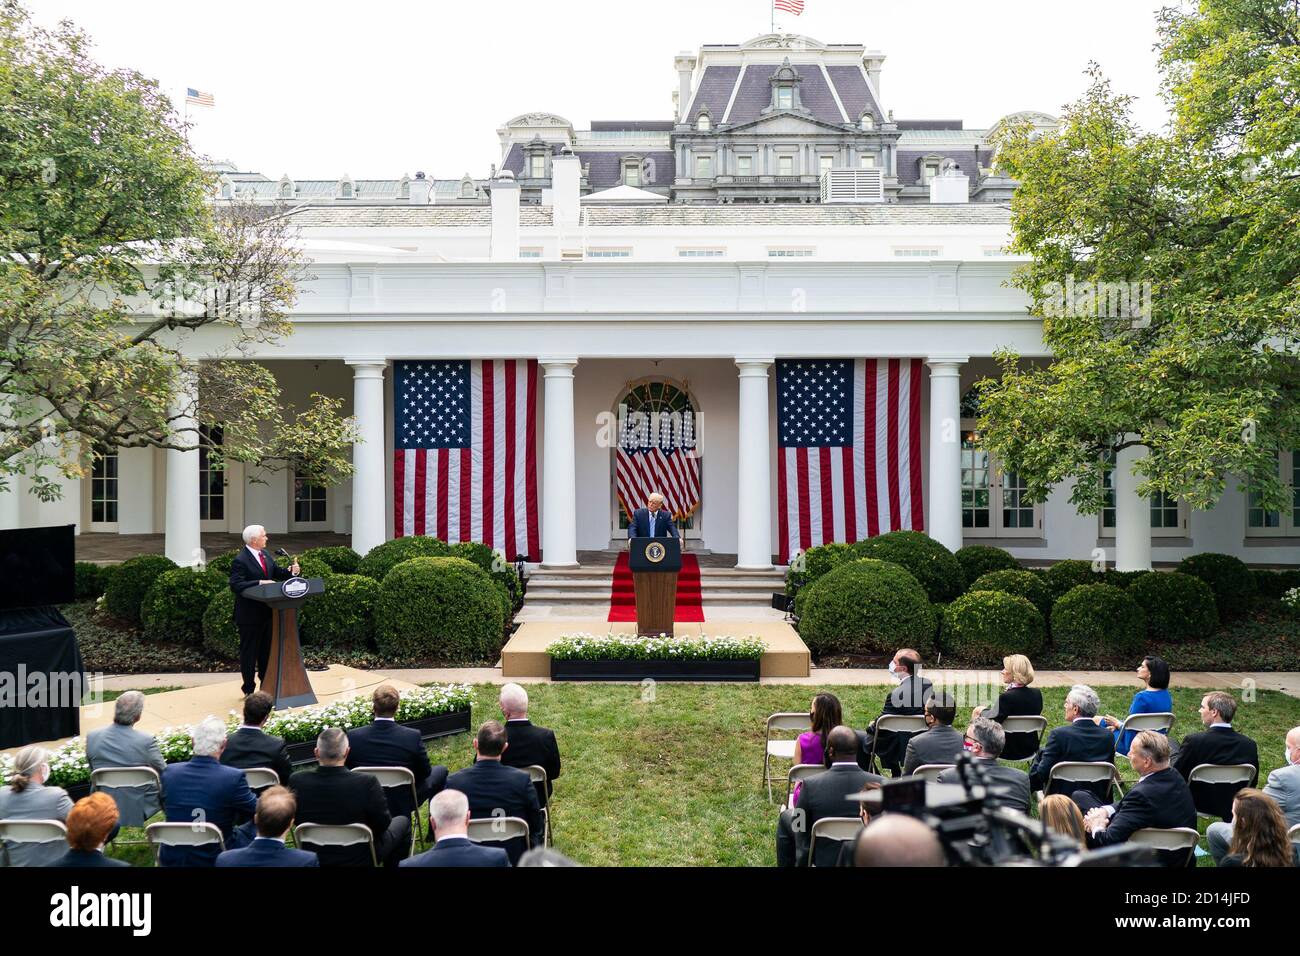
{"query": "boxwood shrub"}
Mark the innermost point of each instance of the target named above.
(985, 626)
(1274, 584)
(1124, 579)
(382, 558)
(502, 571)
(173, 607)
(446, 609)
(933, 565)
(815, 562)
(865, 606)
(343, 616)
(222, 562)
(1178, 607)
(1020, 583)
(341, 559)
(1064, 576)
(312, 567)
(1093, 617)
(977, 560)
(220, 635)
(1228, 577)
(89, 580)
(131, 581)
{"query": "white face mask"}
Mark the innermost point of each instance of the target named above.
(1286, 757)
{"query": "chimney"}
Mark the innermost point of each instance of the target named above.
(685, 63)
(505, 217)
(872, 61)
(421, 190)
(566, 176)
(950, 186)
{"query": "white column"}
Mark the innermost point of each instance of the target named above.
(1132, 514)
(945, 449)
(754, 463)
(559, 468)
(369, 496)
(182, 542)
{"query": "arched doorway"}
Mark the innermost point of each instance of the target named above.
(657, 448)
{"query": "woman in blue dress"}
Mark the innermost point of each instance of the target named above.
(1154, 698)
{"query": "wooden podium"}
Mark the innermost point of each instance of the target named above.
(286, 676)
(654, 563)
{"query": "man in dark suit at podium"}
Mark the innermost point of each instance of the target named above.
(652, 521)
(251, 567)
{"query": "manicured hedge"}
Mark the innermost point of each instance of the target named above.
(344, 615)
(308, 567)
(1098, 617)
(1228, 577)
(445, 609)
(1124, 579)
(341, 559)
(933, 565)
(495, 564)
(1178, 607)
(977, 560)
(89, 580)
(221, 563)
(131, 582)
(382, 558)
(865, 606)
(1064, 576)
(1274, 584)
(815, 562)
(1020, 583)
(173, 608)
(985, 626)
(220, 636)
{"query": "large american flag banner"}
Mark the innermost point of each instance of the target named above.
(658, 453)
(464, 453)
(848, 450)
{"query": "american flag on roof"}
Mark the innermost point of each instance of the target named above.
(198, 97)
(789, 6)
(465, 453)
(848, 450)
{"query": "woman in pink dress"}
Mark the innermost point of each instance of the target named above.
(825, 714)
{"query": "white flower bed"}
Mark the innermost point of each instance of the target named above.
(629, 647)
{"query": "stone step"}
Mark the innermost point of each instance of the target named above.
(586, 596)
(706, 584)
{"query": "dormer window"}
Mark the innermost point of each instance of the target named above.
(467, 188)
(404, 188)
(286, 188)
(703, 123)
(346, 189)
(632, 173)
(868, 122)
(785, 97)
(227, 190)
(785, 82)
(537, 167)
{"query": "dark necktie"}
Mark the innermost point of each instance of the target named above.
(261, 559)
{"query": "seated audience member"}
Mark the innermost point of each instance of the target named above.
(811, 746)
(544, 856)
(529, 745)
(386, 743)
(274, 819)
(1283, 786)
(984, 741)
(492, 788)
(90, 821)
(1259, 836)
(1019, 699)
(1062, 815)
(823, 795)
(202, 789)
(249, 746)
(907, 698)
(1159, 799)
(1218, 744)
(895, 839)
(941, 743)
(1079, 740)
(121, 745)
(449, 817)
(1154, 698)
(25, 797)
(334, 795)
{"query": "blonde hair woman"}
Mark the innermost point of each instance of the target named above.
(1062, 815)
(27, 798)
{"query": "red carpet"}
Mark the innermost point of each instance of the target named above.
(689, 609)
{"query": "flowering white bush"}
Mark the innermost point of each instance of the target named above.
(67, 764)
(630, 647)
(1291, 600)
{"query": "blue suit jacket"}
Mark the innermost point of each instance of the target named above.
(642, 527)
(1082, 741)
(386, 743)
(267, 852)
(459, 851)
(87, 858)
(205, 791)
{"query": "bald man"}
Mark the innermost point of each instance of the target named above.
(652, 521)
(896, 839)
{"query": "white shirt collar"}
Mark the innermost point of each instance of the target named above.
(1220, 724)
(392, 719)
(452, 836)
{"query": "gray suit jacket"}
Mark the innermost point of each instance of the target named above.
(119, 746)
(35, 803)
(1013, 783)
(1284, 787)
(939, 744)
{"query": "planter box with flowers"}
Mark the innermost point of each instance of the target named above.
(593, 657)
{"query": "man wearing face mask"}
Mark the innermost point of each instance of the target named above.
(909, 697)
(1283, 786)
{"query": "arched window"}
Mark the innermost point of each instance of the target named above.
(656, 413)
(868, 122)
(702, 122)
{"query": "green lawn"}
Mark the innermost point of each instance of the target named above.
(675, 781)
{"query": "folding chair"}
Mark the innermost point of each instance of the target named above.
(832, 828)
(900, 724)
(537, 774)
(393, 778)
(1173, 839)
(1161, 723)
(34, 832)
(335, 834)
(1294, 834)
(110, 779)
(931, 771)
(800, 771)
(782, 749)
(1084, 772)
(179, 835)
(259, 778)
(1024, 737)
(1235, 775)
(498, 830)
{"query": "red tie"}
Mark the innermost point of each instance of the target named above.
(262, 561)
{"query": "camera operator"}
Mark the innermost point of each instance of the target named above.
(984, 741)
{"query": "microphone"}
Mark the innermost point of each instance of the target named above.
(283, 553)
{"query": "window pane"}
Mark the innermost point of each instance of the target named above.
(1016, 513)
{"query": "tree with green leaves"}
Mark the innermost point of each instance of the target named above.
(120, 281)
(1166, 272)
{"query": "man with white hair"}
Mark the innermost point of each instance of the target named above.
(529, 745)
(449, 817)
(203, 790)
(121, 745)
(1081, 739)
(253, 566)
(652, 521)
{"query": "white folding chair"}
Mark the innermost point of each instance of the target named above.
(1023, 724)
(259, 778)
(781, 748)
(931, 771)
(537, 774)
(1237, 775)
(111, 779)
(1084, 772)
(498, 830)
(1294, 834)
(1174, 838)
(33, 832)
(832, 828)
(336, 834)
(1161, 723)
(179, 835)
(800, 771)
(899, 724)
(396, 778)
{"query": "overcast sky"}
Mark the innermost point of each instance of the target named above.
(380, 88)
